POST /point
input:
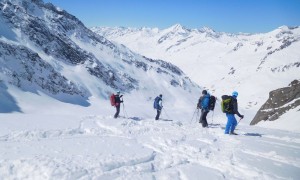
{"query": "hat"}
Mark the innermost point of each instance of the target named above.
(118, 92)
(204, 92)
(234, 93)
(160, 95)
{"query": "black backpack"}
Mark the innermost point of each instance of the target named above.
(212, 103)
(227, 104)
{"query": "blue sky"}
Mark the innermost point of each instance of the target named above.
(233, 16)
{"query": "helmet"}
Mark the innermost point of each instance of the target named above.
(234, 93)
(160, 95)
(118, 92)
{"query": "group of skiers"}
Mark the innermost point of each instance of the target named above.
(229, 106)
(206, 103)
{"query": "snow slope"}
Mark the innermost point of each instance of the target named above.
(252, 64)
(56, 121)
(46, 51)
(100, 147)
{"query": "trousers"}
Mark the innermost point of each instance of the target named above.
(117, 112)
(231, 123)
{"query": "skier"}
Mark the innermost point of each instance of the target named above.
(118, 102)
(231, 122)
(158, 105)
(203, 104)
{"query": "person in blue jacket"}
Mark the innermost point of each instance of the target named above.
(231, 122)
(158, 105)
(203, 104)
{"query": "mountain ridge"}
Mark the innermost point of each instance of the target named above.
(79, 60)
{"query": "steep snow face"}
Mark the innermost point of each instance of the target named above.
(45, 49)
(252, 64)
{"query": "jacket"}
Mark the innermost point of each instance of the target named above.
(118, 100)
(203, 102)
(235, 107)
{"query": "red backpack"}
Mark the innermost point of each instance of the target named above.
(112, 100)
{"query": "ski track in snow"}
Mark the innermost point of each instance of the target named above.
(107, 148)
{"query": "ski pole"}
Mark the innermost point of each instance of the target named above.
(124, 110)
(239, 120)
(163, 109)
(212, 117)
(194, 115)
(198, 115)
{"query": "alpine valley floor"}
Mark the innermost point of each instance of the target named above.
(100, 147)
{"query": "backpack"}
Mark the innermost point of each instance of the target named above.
(226, 104)
(156, 103)
(205, 102)
(212, 103)
(112, 100)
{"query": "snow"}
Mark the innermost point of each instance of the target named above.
(73, 146)
(6, 32)
(42, 137)
(290, 119)
(222, 62)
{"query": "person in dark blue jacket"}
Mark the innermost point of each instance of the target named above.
(158, 105)
(118, 102)
(203, 104)
(231, 122)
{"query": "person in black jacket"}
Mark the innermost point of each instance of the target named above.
(231, 123)
(118, 102)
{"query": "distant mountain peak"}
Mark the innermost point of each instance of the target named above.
(206, 29)
(178, 28)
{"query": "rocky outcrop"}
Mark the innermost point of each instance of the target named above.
(26, 70)
(280, 101)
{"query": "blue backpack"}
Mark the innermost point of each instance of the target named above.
(205, 102)
(156, 103)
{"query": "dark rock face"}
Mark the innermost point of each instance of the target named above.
(24, 68)
(280, 101)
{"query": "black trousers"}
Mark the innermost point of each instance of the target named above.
(118, 111)
(158, 114)
(203, 119)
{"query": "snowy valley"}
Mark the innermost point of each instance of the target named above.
(56, 121)
(252, 64)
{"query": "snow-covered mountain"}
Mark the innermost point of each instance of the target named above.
(55, 78)
(252, 64)
(45, 50)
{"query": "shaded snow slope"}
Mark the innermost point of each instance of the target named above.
(99, 147)
(252, 64)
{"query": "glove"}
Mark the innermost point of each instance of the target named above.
(242, 116)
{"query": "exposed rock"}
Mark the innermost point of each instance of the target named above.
(280, 101)
(25, 68)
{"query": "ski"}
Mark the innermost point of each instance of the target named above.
(160, 119)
